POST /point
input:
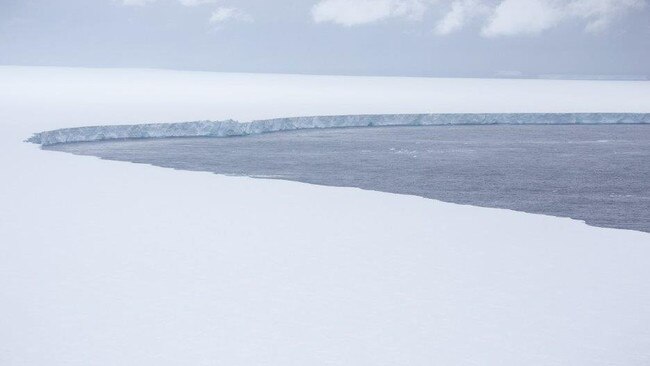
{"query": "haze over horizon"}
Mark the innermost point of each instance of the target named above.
(598, 39)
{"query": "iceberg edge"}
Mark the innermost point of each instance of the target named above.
(228, 128)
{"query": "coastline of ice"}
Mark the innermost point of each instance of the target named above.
(234, 128)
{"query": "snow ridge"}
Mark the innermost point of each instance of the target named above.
(234, 128)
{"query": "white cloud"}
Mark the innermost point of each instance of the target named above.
(601, 13)
(522, 17)
(499, 17)
(357, 12)
(513, 17)
(225, 14)
(137, 2)
(460, 12)
(196, 2)
(220, 15)
(182, 2)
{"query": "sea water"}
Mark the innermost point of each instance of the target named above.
(596, 173)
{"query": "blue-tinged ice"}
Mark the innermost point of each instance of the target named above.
(234, 128)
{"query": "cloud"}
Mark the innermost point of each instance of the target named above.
(460, 12)
(196, 2)
(357, 12)
(182, 2)
(136, 2)
(220, 15)
(601, 13)
(499, 18)
(514, 17)
(529, 17)
(225, 14)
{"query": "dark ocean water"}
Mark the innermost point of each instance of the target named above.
(596, 173)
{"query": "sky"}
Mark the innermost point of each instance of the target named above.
(445, 38)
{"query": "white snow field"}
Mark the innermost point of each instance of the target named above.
(113, 263)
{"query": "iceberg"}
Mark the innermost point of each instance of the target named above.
(233, 128)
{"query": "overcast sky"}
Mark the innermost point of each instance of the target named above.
(353, 37)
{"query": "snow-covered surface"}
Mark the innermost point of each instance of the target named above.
(112, 263)
(234, 128)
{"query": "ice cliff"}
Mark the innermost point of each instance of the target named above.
(234, 128)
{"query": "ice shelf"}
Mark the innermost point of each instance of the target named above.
(234, 128)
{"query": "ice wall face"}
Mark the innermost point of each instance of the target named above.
(234, 128)
(153, 130)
